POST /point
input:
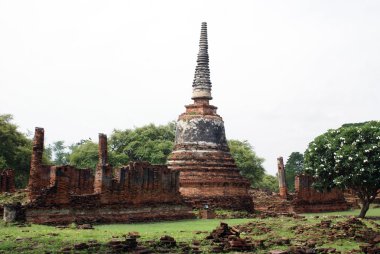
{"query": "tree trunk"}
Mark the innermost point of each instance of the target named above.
(365, 207)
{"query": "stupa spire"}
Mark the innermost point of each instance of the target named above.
(202, 83)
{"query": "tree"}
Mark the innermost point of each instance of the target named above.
(148, 143)
(15, 150)
(61, 156)
(293, 166)
(268, 182)
(347, 158)
(249, 164)
(84, 154)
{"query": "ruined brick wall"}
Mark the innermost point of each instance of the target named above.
(53, 185)
(39, 176)
(307, 199)
(81, 180)
(67, 194)
(103, 175)
(283, 189)
(7, 181)
(142, 183)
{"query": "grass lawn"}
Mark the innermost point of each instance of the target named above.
(42, 239)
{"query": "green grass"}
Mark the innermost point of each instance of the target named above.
(40, 238)
(372, 212)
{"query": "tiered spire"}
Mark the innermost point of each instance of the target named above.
(202, 83)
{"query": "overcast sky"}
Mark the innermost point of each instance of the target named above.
(282, 72)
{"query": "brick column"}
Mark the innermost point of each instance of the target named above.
(36, 163)
(102, 149)
(281, 178)
(103, 175)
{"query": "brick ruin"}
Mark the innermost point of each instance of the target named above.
(208, 173)
(308, 200)
(305, 199)
(283, 189)
(138, 191)
(7, 181)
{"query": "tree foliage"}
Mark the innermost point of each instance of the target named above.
(347, 158)
(148, 143)
(84, 154)
(293, 166)
(15, 150)
(249, 164)
(61, 155)
(268, 182)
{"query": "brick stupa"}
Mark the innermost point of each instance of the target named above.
(208, 173)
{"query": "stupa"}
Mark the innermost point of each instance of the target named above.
(208, 173)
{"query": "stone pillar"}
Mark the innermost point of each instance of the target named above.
(36, 163)
(102, 149)
(281, 178)
(103, 175)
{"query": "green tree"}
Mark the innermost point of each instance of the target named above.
(148, 143)
(293, 166)
(347, 158)
(15, 150)
(61, 156)
(249, 164)
(268, 182)
(84, 154)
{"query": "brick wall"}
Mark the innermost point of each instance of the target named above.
(110, 191)
(7, 181)
(307, 199)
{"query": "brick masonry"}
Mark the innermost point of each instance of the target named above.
(283, 189)
(7, 180)
(138, 191)
(307, 199)
(208, 173)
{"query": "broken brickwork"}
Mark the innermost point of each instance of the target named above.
(283, 189)
(136, 192)
(307, 199)
(7, 181)
(208, 173)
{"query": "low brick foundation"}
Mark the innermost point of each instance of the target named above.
(308, 200)
(107, 214)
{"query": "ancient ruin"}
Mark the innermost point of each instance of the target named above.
(138, 191)
(305, 199)
(7, 181)
(283, 189)
(208, 173)
(309, 200)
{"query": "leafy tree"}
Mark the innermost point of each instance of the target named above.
(347, 158)
(15, 150)
(249, 164)
(84, 154)
(293, 166)
(268, 182)
(148, 143)
(61, 156)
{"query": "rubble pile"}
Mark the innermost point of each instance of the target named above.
(226, 238)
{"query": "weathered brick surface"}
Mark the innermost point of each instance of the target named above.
(208, 173)
(136, 192)
(283, 189)
(39, 176)
(7, 180)
(307, 199)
